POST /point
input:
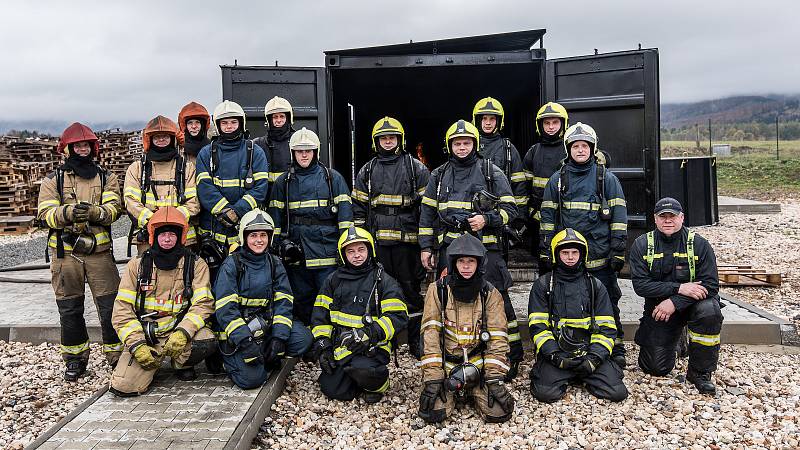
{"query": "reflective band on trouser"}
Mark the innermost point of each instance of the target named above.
(111, 348)
(381, 389)
(708, 340)
(75, 349)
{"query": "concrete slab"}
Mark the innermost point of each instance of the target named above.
(729, 205)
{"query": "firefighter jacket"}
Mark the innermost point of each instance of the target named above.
(307, 202)
(278, 154)
(449, 195)
(164, 295)
(505, 155)
(578, 205)
(159, 188)
(248, 285)
(540, 163)
(102, 190)
(221, 183)
(461, 327)
(659, 264)
(346, 298)
(569, 305)
(393, 185)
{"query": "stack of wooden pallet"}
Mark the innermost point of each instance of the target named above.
(118, 149)
(23, 164)
(743, 275)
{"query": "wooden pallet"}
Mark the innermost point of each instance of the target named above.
(17, 224)
(742, 275)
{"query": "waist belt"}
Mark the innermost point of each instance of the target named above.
(312, 221)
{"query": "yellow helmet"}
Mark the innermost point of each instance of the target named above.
(552, 109)
(580, 132)
(388, 125)
(278, 105)
(565, 237)
(461, 128)
(488, 106)
(352, 235)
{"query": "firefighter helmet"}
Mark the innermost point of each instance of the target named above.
(355, 234)
(255, 220)
(581, 132)
(158, 125)
(304, 139)
(387, 126)
(552, 109)
(278, 105)
(566, 237)
(167, 215)
(78, 132)
(193, 110)
(228, 109)
(488, 106)
(462, 128)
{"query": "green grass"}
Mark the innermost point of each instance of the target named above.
(753, 169)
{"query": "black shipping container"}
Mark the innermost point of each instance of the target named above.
(692, 180)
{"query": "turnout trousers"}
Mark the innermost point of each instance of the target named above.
(355, 374)
(401, 261)
(609, 279)
(306, 284)
(549, 383)
(69, 276)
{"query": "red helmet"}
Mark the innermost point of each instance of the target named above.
(78, 132)
(193, 110)
(167, 215)
(158, 124)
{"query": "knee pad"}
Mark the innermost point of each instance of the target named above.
(706, 316)
(657, 361)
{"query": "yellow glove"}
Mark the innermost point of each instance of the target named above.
(176, 343)
(147, 357)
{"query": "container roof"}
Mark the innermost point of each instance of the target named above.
(516, 40)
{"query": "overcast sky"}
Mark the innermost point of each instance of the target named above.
(128, 61)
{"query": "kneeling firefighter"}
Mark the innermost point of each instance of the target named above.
(357, 314)
(161, 309)
(78, 203)
(572, 325)
(465, 339)
(254, 307)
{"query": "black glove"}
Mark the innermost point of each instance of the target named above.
(497, 392)
(319, 346)
(564, 360)
(363, 338)
(275, 349)
(326, 361)
(250, 352)
(228, 217)
(617, 261)
(79, 212)
(588, 365)
(545, 264)
(433, 389)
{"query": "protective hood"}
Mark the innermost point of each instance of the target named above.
(167, 215)
(157, 125)
(197, 111)
(465, 290)
(78, 132)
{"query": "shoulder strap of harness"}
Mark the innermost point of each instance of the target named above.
(213, 160)
(507, 142)
(441, 286)
(143, 278)
(249, 180)
(189, 259)
(651, 249)
(690, 255)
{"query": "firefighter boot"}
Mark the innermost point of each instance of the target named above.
(76, 368)
(372, 397)
(618, 354)
(702, 381)
(187, 373)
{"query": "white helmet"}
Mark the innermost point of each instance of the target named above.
(278, 105)
(255, 220)
(228, 109)
(304, 139)
(580, 132)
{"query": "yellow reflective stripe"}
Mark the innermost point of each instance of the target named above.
(260, 176)
(429, 201)
(50, 218)
(541, 337)
(521, 200)
(219, 237)
(517, 177)
(144, 216)
(504, 216)
(549, 204)
(575, 323)
(225, 300)
(393, 304)
(539, 182)
(126, 295)
(595, 263)
(513, 337)
(202, 176)
(190, 192)
(321, 262)
(387, 327)
(345, 224)
(606, 342)
(282, 320)
(616, 226)
(538, 317)
(235, 323)
(272, 176)
(128, 328)
(195, 319)
(109, 196)
(283, 296)
(277, 204)
(360, 195)
(617, 202)
(432, 324)
(112, 348)
(341, 352)
(425, 231)
(323, 301)
(430, 360)
(201, 293)
(184, 210)
(586, 206)
(223, 202)
(348, 320)
(381, 389)
(496, 362)
(247, 301)
(490, 239)
(605, 321)
(709, 340)
(250, 200)
(322, 331)
(237, 182)
(320, 203)
(507, 199)
(512, 324)
(48, 203)
(453, 204)
(421, 190)
(396, 235)
(75, 349)
(342, 198)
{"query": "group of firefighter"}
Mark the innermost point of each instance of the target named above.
(250, 251)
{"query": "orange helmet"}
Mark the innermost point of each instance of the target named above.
(158, 124)
(78, 132)
(167, 215)
(193, 110)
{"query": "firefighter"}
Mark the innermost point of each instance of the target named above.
(386, 199)
(572, 326)
(469, 194)
(586, 197)
(310, 203)
(254, 307)
(675, 270)
(78, 203)
(280, 120)
(162, 177)
(194, 123)
(231, 180)
(489, 117)
(543, 160)
(162, 307)
(465, 339)
(357, 314)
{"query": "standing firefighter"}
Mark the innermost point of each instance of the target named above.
(78, 203)
(489, 117)
(231, 180)
(254, 307)
(585, 196)
(543, 160)
(310, 204)
(675, 270)
(194, 123)
(280, 119)
(386, 200)
(465, 339)
(357, 314)
(162, 177)
(163, 304)
(468, 194)
(572, 327)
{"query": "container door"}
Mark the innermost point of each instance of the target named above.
(304, 87)
(617, 94)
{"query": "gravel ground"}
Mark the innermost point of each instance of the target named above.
(33, 393)
(756, 407)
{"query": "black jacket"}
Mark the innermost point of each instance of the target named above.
(540, 163)
(497, 149)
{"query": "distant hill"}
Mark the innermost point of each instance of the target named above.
(55, 127)
(743, 109)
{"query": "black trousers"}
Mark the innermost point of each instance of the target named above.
(609, 279)
(402, 262)
(658, 339)
(356, 374)
(549, 383)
